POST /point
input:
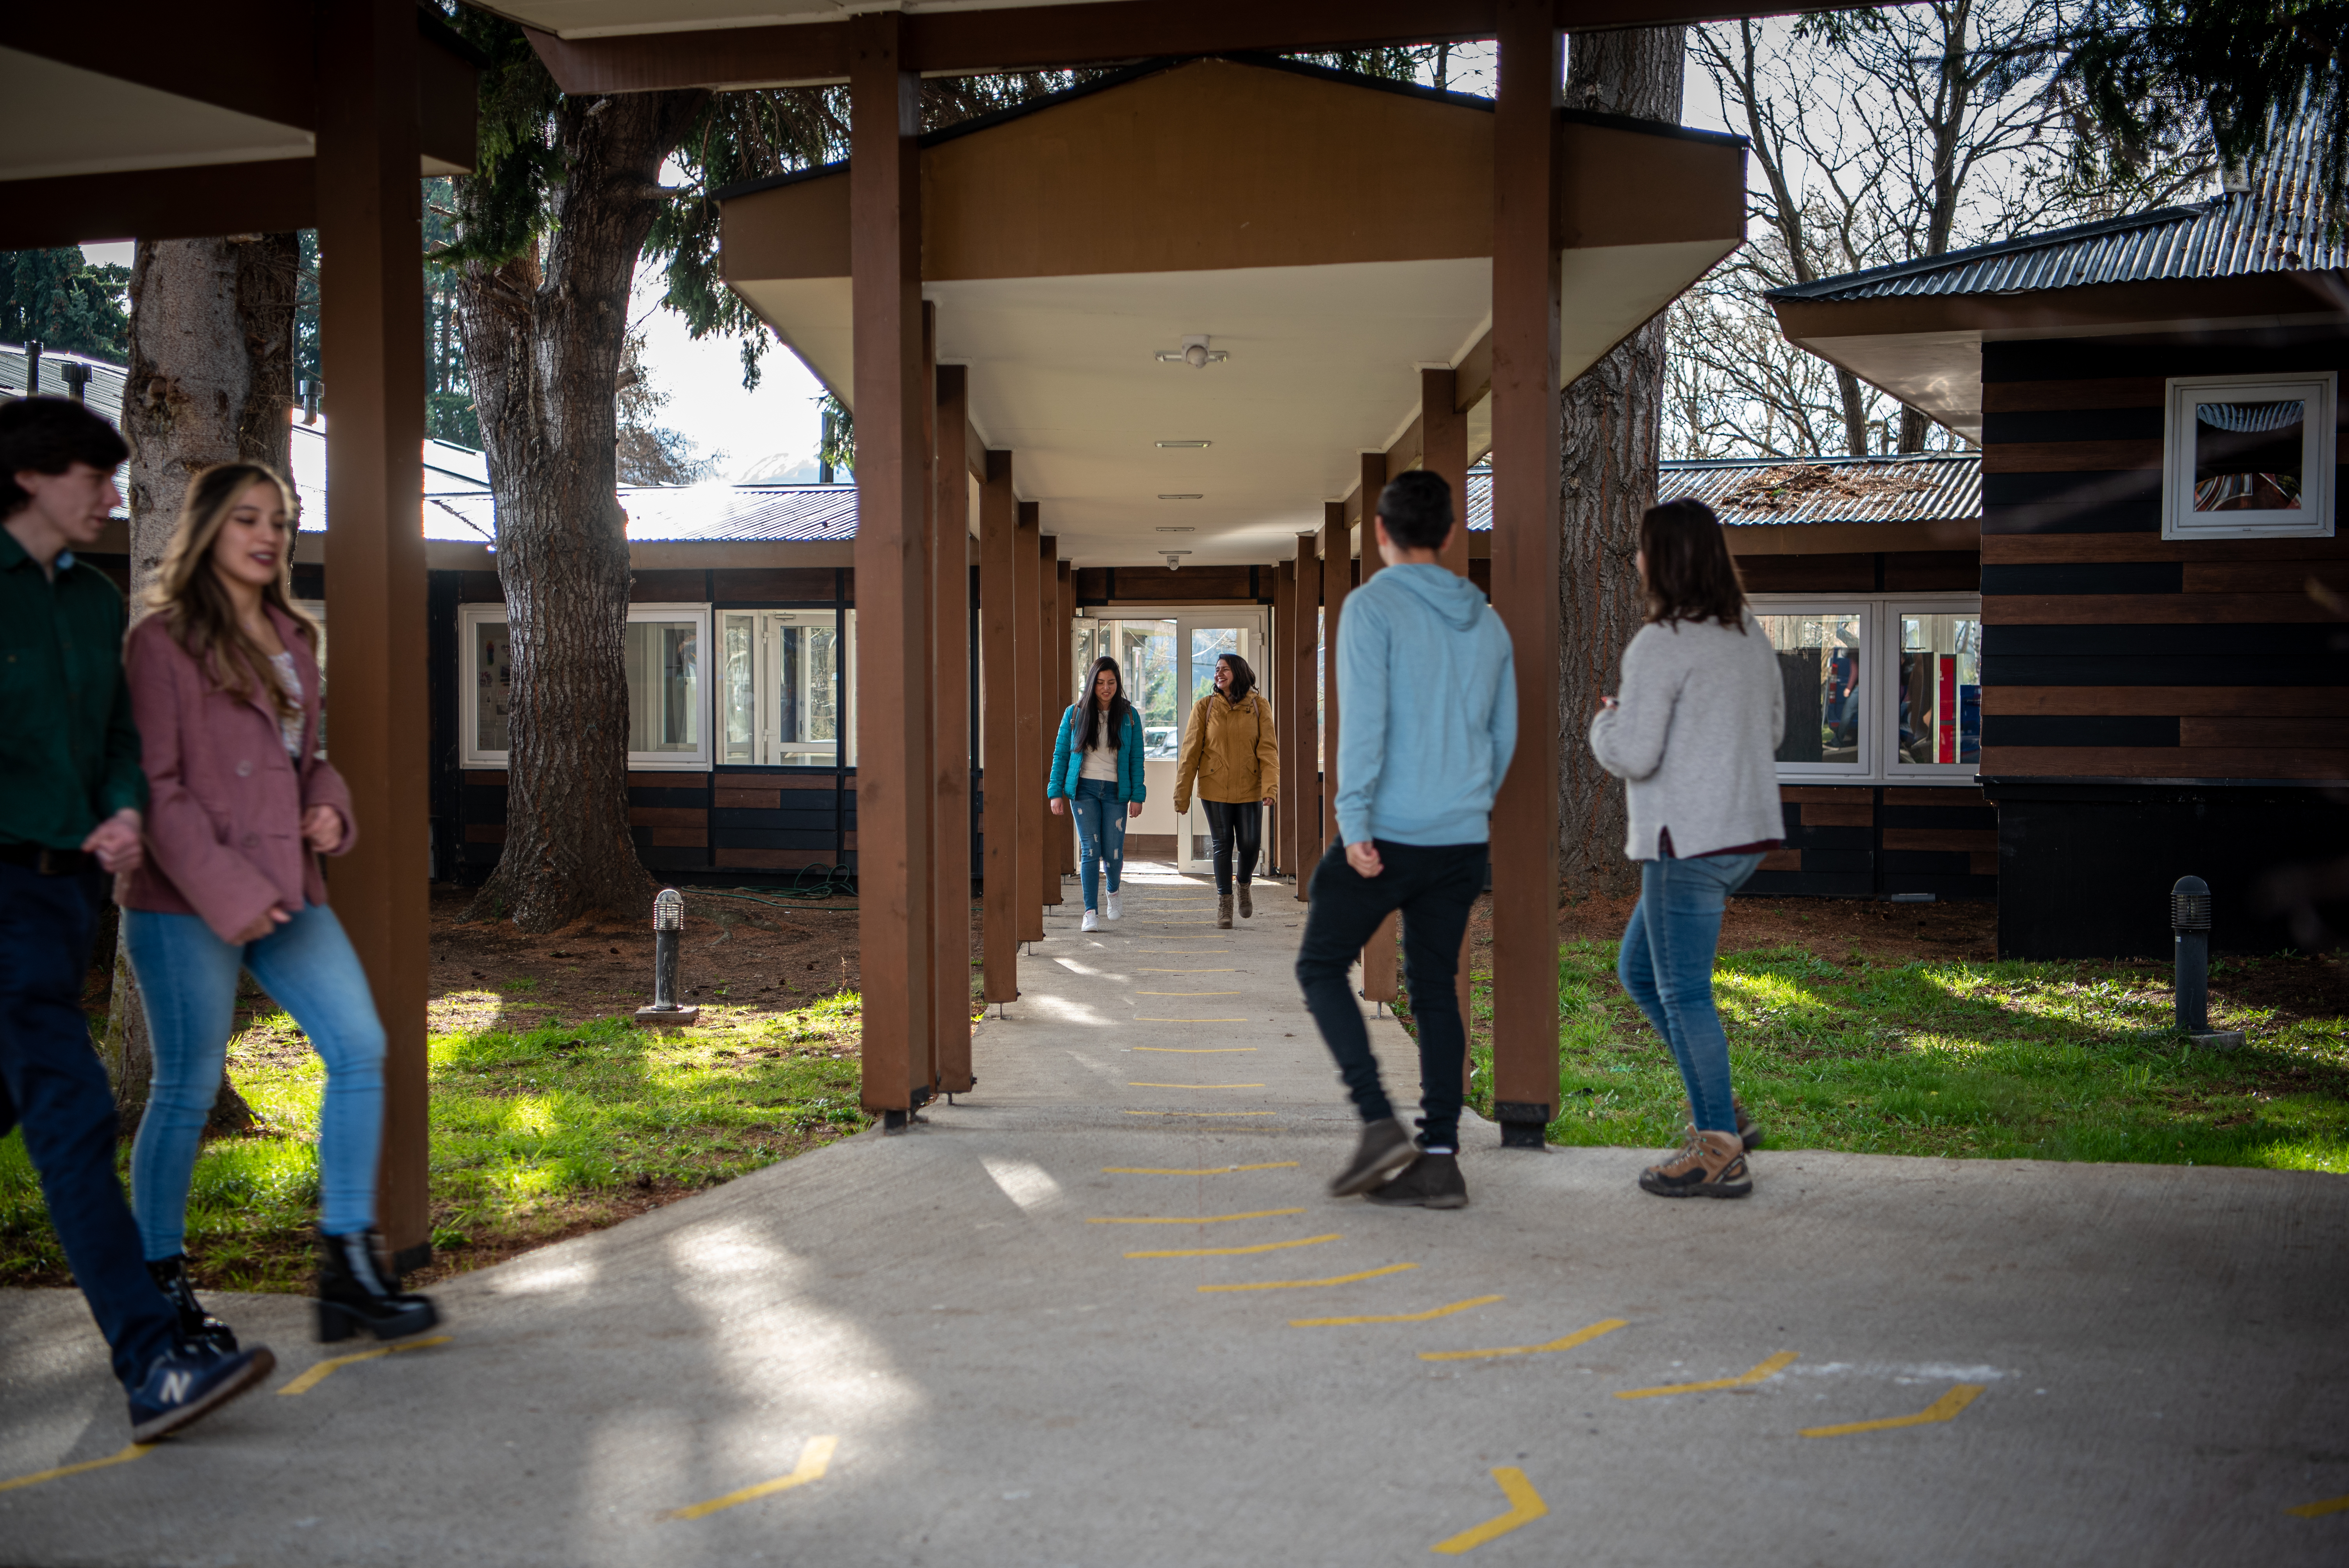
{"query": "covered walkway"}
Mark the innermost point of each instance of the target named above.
(1105, 1314)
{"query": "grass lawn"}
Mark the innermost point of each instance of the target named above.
(536, 1134)
(1968, 1058)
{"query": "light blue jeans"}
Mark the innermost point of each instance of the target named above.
(1100, 834)
(1666, 967)
(188, 978)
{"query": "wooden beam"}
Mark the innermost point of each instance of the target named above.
(1336, 580)
(893, 711)
(1280, 844)
(1443, 451)
(1006, 759)
(1379, 952)
(1051, 677)
(1525, 314)
(950, 731)
(1063, 651)
(262, 197)
(1305, 721)
(371, 340)
(1034, 747)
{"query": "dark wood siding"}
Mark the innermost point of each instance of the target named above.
(1869, 840)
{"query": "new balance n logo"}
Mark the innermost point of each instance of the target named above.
(177, 1386)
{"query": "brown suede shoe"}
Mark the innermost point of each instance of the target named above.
(1751, 1135)
(1224, 911)
(1709, 1165)
(1247, 905)
(1384, 1150)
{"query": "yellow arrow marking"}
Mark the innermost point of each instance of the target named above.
(1141, 1018)
(1428, 1316)
(815, 1459)
(1221, 1113)
(325, 1369)
(1761, 1374)
(1580, 1336)
(1199, 1050)
(1234, 1252)
(1944, 1409)
(1138, 1083)
(1312, 1284)
(2305, 1510)
(1187, 992)
(1202, 1170)
(1186, 972)
(1202, 1220)
(135, 1451)
(1526, 1505)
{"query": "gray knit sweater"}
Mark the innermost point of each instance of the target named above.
(1694, 737)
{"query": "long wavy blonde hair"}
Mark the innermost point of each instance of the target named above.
(188, 593)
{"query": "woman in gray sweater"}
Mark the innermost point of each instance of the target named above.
(1694, 738)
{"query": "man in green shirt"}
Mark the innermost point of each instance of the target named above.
(72, 791)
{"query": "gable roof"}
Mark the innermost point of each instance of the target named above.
(1766, 492)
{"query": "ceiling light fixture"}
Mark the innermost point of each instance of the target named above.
(1174, 559)
(1181, 498)
(1183, 530)
(1186, 446)
(1194, 352)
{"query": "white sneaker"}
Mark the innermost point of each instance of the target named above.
(1092, 922)
(1111, 911)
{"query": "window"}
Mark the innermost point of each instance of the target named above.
(2249, 456)
(782, 698)
(661, 653)
(1845, 722)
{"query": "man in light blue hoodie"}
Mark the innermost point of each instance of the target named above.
(1426, 683)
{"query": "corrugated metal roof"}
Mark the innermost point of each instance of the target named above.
(1759, 493)
(2275, 226)
(713, 513)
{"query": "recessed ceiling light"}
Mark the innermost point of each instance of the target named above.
(1188, 446)
(1181, 498)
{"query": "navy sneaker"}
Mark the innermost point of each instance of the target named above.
(189, 1383)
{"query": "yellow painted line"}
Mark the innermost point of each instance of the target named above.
(1187, 992)
(1526, 1505)
(1138, 1083)
(1217, 1113)
(1761, 1374)
(1579, 1336)
(1430, 1315)
(1236, 1252)
(1199, 1050)
(1202, 1170)
(135, 1451)
(1139, 1019)
(1202, 1220)
(324, 1369)
(1944, 1409)
(1186, 972)
(1310, 1283)
(2305, 1510)
(815, 1459)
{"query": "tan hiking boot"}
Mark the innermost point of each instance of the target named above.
(1224, 911)
(1247, 905)
(1751, 1134)
(1709, 1165)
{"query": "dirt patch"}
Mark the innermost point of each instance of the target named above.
(1833, 928)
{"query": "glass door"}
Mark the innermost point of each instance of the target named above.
(1202, 636)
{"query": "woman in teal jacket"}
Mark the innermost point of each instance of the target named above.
(1096, 766)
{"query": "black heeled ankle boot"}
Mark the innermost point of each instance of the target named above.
(196, 1325)
(352, 1293)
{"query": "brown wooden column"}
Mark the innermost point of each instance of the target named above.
(1525, 307)
(1279, 847)
(1006, 784)
(893, 602)
(1305, 725)
(1379, 952)
(1035, 748)
(1443, 451)
(1051, 663)
(1064, 632)
(1336, 582)
(950, 730)
(371, 341)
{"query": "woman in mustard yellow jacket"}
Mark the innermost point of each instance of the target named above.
(1232, 755)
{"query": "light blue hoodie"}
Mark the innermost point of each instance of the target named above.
(1427, 710)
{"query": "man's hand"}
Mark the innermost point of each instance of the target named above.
(1606, 703)
(261, 926)
(1363, 856)
(322, 829)
(1055, 803)
(1133, 807)
(115, 842)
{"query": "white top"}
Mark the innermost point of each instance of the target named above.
(1695, 737)
(291, 679)
(1100, 759)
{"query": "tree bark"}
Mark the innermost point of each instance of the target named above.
(211, 381)
(543, 336)
(1612, 425)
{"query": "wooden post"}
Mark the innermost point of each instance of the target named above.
(893, 710)
(1007, 761)
(1379, 952)
(1035, 748)
(371, 340)
(1064, 661)
(1305, 721)
(950, 729)
(1051, 674)
(1526, 309)
(1336, 582)
(1279, 845)
(1443, 451)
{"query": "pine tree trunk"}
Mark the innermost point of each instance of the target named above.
(1612, 430)
(543, 346)
(211, 381)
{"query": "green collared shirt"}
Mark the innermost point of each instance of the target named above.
(69, 751)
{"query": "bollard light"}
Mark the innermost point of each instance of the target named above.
(2189, 925)
(669, 925)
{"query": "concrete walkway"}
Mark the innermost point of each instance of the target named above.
(1102, 1313)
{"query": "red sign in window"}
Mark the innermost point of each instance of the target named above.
(1945, 710)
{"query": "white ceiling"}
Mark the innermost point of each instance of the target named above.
(58, 119)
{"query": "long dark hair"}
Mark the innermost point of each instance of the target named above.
(1118, 707)
(1243, 678)
(1690, 576)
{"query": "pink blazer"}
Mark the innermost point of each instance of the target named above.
(224, 828)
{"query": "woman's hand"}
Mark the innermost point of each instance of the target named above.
(261, 926)
(1607, 704)
(322, 829)
(1055, 803)
(1133, 807)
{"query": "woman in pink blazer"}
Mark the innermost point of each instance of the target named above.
(226, 688)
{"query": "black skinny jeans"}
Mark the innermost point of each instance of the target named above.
(1235, 823)
(1435, 886)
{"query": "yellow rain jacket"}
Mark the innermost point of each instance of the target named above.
(1231, 753)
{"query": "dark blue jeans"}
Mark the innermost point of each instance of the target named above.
(54, 1086)
(1101, 835)
(1435, 886)
(1666, 967)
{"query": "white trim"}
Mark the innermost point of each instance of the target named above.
(1862, 607)
(1879, 698)
(468, 616)
(1897, 769)
(2313, 518)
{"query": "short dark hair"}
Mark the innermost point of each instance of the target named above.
(1416, 506)
(49, 436)
(1690, 574)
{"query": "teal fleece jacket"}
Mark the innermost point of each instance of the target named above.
(1068, 762)
(1427, 703)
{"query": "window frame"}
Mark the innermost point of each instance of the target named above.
(1879, 699)
(2318, 388)
(765, 673)
(1865, 769)
(1897, 769)
(469, 691)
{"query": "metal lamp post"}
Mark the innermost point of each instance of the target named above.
(669, 925)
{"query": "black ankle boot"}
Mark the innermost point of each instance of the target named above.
(354, 1292)
(196, 1325)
